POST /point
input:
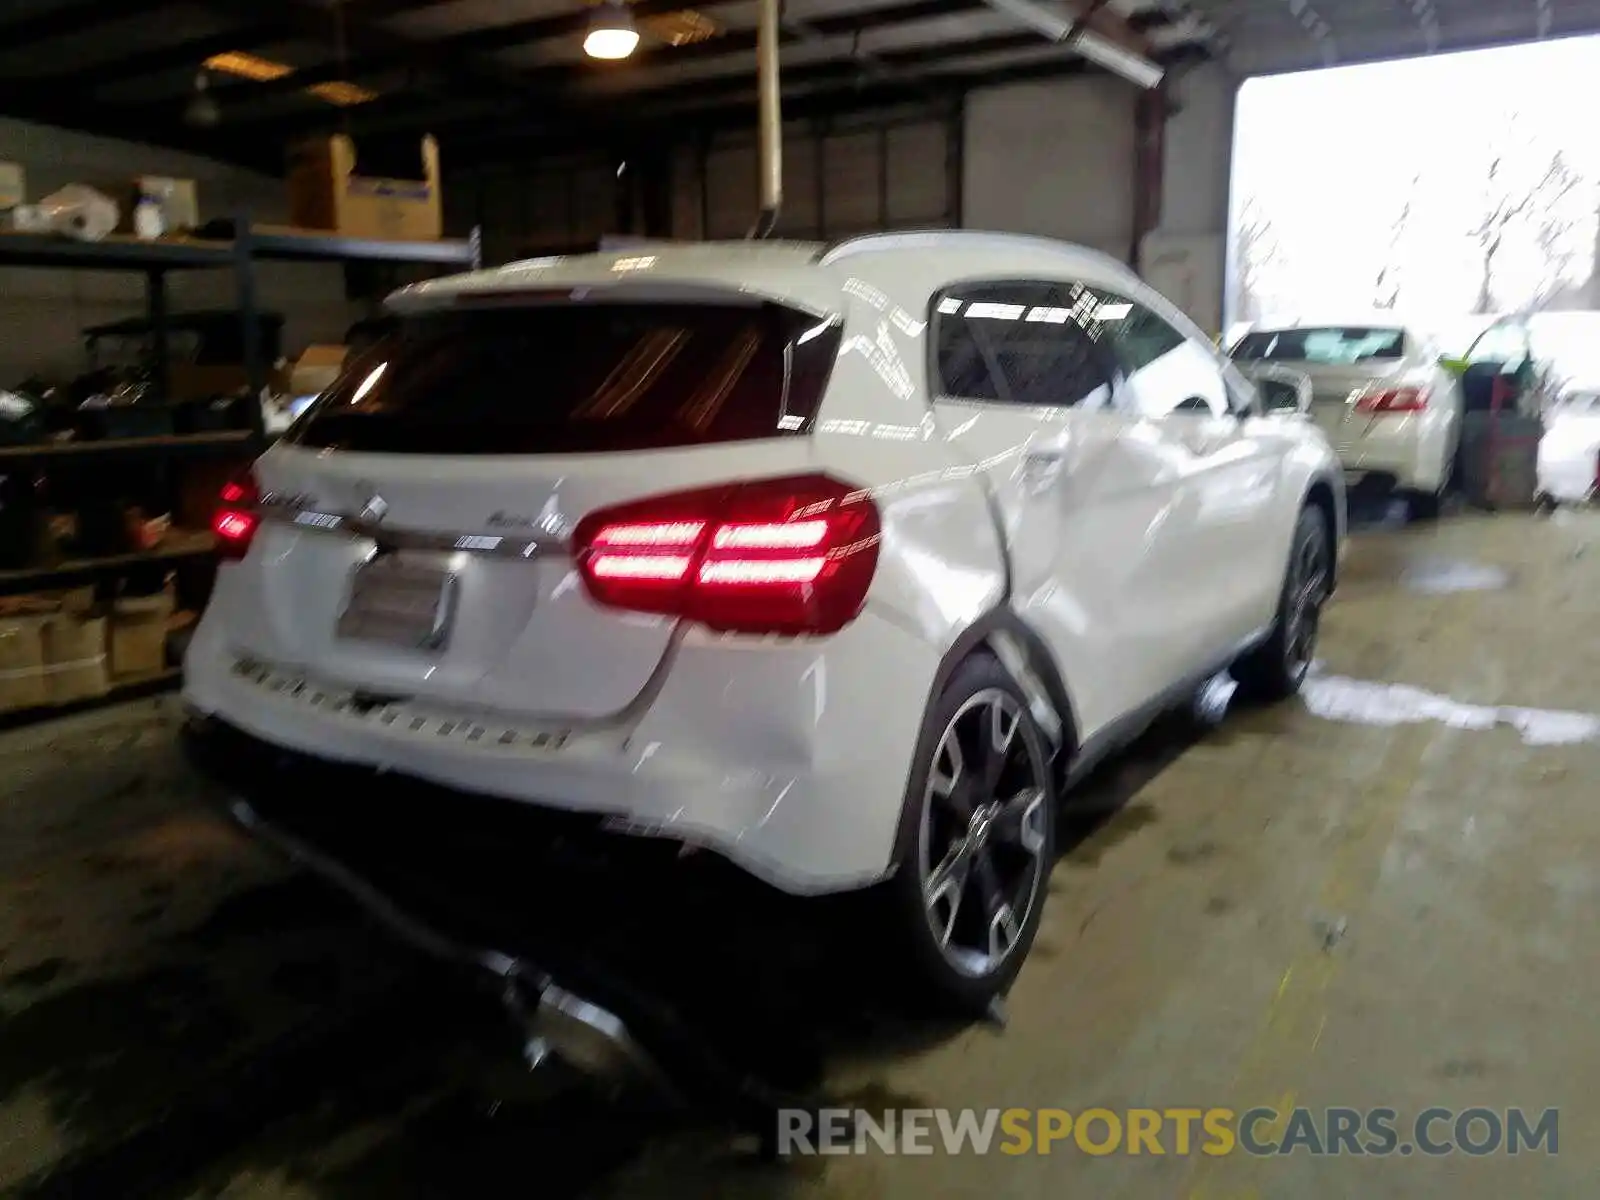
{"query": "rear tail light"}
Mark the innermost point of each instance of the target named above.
(1393, 400)
(235, 521)
(794, 555)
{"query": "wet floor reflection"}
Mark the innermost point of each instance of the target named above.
(1365, 702)
(1441, 576)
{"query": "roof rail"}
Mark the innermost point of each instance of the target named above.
(914, 239)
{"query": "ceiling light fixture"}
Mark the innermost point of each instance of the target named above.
(612, 33)
(202, 112)
(242, 65)
(1096, 47)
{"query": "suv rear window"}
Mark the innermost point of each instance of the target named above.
(1329, 346)
(577, 378)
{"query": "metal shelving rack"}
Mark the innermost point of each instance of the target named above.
(155, 260)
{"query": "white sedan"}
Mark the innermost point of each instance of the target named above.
(1379, 391)
(1569, 451)
(840, 562)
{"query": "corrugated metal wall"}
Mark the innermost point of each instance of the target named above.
(1054, 157)
(885, 171)
(878, 171)
(42, 312)
(544, 207)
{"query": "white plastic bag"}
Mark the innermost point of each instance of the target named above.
(79, 211)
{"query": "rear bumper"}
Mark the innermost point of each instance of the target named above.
(1403, 452)
(1570, 478)
(789, 759)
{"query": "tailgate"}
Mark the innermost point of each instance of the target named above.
(416, 540)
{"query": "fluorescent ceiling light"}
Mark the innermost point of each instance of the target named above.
(341, 94)
(1095, 47)
(248, 66)
(259, 70)
(681, 28)
(1103, 52)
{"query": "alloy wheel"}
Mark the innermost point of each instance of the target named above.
(1308, 583)
(983, 836)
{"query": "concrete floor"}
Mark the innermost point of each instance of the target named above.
(1369, 898)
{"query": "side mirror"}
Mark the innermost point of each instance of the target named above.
(1283, 392)
(1456, 366)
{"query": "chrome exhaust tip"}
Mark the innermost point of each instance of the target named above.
(1211, 700)
(587, 1037)
(552, 1021)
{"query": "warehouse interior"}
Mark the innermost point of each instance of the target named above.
(1374, 896)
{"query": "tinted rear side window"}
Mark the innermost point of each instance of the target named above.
(1328, 346)
(578, 378)
(1027, 342)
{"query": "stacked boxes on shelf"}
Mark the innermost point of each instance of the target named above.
(62, 648)
(91, 505)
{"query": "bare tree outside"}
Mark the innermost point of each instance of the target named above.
(1257, 253)
(1562, 243)
(1388, 286)
(1458, 208)
(1532, 201)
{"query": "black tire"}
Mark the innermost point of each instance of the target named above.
(1423, 506)
(1276, 668)
(1011, 848)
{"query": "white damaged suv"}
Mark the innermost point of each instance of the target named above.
(839, 561)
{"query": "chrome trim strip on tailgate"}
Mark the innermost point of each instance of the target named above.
(293, 682)
(291, 511)
(403, 714)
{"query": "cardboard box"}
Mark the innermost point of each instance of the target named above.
(325, 192)
(177, 198)
(139, 636)
(22, 674)
(75, 658)
(191, 381)
(32, 604)
(44, 604)
(13, 185)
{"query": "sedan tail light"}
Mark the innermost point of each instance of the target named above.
(1393, 400)
(793, 555)
(235, 521)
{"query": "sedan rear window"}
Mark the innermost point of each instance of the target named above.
(577, 378)
(1329, 345)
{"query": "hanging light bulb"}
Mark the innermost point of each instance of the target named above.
(202, 111)
(612, 33)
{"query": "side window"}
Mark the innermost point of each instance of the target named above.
(1141, 336)
(1028, 343)
(1505, 342)
(1242, 397)
(1170, 373)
